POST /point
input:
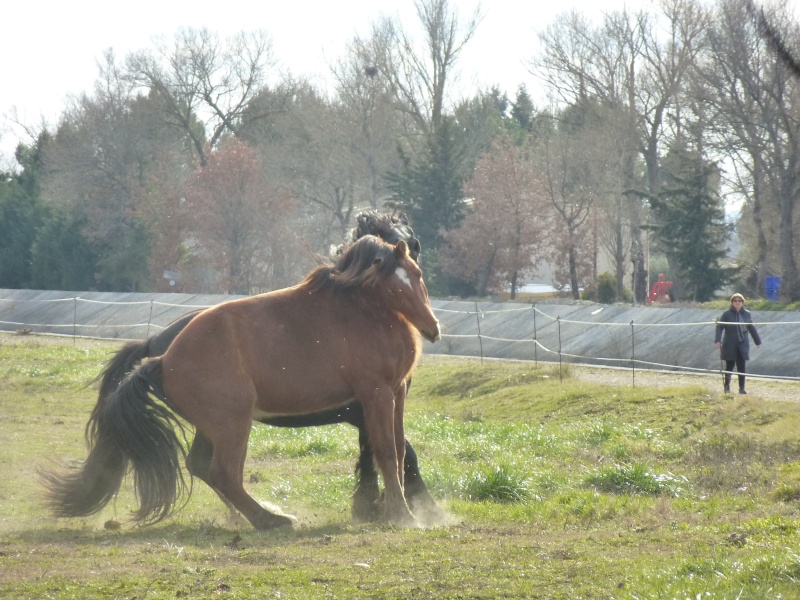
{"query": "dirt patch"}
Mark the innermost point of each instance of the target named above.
(767, 389)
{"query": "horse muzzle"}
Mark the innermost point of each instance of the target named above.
(433, 335)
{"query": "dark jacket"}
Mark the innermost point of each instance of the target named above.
(735, 337)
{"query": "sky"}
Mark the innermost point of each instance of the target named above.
(49, 49)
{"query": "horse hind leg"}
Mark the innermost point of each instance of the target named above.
(225, 475)
(198, 462)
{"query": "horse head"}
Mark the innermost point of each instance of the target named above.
(391, 227)
(402, 232)
(408, 295)
(391, 277)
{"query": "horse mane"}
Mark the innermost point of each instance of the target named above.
(375, 223)
(367, 259)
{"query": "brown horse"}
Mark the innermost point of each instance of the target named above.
(389, 226)
(347, 331)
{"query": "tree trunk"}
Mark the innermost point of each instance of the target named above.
(758, 221)
(573, 272)
(788, 264)
(483, 284)
(619, 260)
(514, 286)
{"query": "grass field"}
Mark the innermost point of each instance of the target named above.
(557, 490)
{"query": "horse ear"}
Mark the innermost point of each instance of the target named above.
(401, 249)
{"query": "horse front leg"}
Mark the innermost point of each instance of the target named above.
(419, 498)
(366, 498)
(399, 433)
(383, 416)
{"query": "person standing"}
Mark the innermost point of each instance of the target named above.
(733, 340)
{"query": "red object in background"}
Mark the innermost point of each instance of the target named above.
(660, 291)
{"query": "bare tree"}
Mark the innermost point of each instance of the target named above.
(670, 56)
(757, 96)
(204, 83)
(313, 148)
(567, 159)
(107, 158)
(627, 64)
(501, 239)
(238, 220)
(370, 125)
(594, 69)
(419, 73)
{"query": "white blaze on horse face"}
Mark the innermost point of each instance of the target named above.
(402, 275)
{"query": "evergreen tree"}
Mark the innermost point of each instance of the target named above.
(21, 213)
(429, 186)
(692, 228)
(16, 234)
(522, 109)
(499, 101)
(61, 258)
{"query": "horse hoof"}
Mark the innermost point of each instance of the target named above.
(268, 520)
(365, 512)
(274, 522)
(405, 521)
(428, 512)
(367, 505)
(409, 523)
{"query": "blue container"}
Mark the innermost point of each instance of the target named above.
(772, 285)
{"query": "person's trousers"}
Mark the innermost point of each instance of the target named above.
(739, 362)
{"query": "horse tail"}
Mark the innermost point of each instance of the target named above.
(122, 363)
(126, 359)
(131, 429)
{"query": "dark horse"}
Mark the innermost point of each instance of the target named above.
(391, 227)
(349, 331)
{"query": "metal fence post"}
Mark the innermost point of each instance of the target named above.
(535, 342)
(633, 354)
(149, 320)
(74, 318)
(478, 320)
(560, 373)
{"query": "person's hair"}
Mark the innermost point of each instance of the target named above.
(737, 297)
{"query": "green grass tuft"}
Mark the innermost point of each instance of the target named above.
(501, 483)
(634, 479)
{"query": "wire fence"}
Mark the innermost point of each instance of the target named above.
(557, 352)
(534, 334)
